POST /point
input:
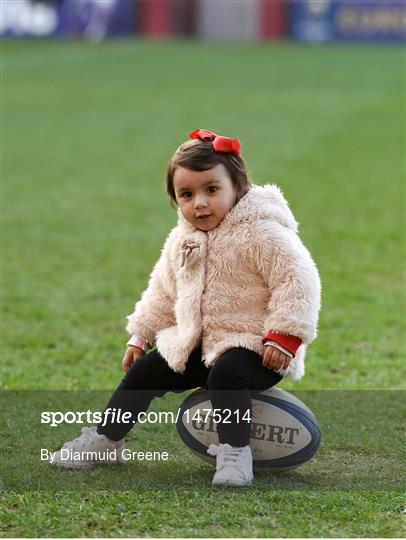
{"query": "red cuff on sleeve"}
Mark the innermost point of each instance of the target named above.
(291, 343)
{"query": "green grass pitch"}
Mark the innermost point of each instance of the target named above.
(87, 131)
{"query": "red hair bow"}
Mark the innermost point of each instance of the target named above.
(220, 143)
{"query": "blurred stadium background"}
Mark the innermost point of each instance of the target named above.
(248, 20)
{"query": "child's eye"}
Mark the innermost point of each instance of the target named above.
(212, 189)
(186, 194)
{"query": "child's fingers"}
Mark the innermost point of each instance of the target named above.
(127, 361)
(283, 362)
(270, 357)
(279, 360)
(266, 357)
(286, 362)
(275, 359)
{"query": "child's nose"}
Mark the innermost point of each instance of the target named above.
(200, 200)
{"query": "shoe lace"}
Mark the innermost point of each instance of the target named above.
(86, 433)
(230, 453)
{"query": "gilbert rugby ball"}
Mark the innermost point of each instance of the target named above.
(284, 431)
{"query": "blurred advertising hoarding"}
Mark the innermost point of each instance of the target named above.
(348, 20)
(94, 19)
(165, 18)
(239, 20)
(230, 20)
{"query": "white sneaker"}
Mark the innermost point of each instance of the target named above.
(88, 449)
(233, 465)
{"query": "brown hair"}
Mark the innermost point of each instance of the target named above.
(199, 155)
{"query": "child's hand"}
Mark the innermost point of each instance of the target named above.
(131, 355)
(275, 359)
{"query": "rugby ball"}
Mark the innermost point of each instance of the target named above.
(284, 431)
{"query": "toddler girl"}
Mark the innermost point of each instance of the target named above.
(231, 305)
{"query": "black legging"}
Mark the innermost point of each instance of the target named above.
(229, 381)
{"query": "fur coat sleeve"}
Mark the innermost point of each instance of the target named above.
(293, 281)
(155, 309)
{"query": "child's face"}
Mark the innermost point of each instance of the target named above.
(204, 197)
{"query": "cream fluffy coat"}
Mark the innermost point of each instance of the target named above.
(230, 286)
